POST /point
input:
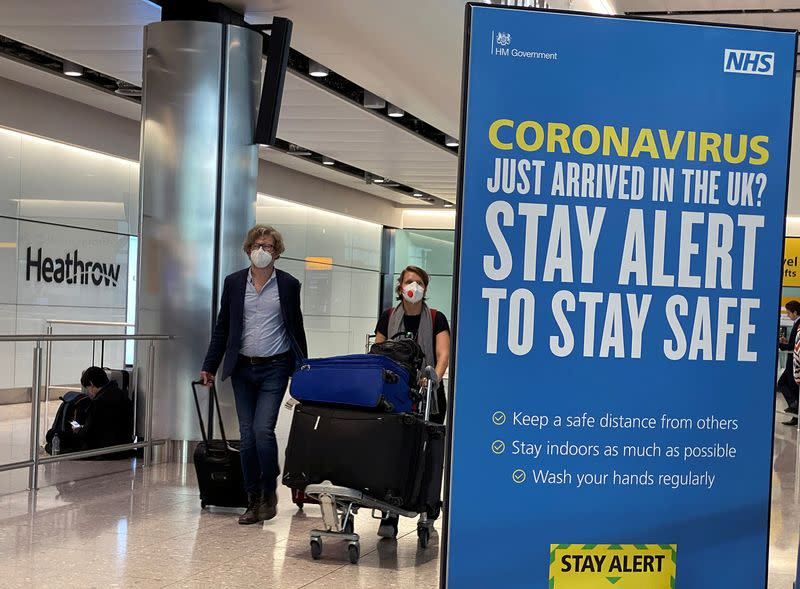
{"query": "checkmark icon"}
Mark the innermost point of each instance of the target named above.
(499, 418)
(498, 447)
(519, 476)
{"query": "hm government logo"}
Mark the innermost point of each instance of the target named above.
(501, 48)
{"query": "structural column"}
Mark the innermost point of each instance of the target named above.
(198, 173)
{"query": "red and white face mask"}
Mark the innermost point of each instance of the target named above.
(413, 292)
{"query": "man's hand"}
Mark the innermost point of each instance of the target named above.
(783, 340)
(207, 378)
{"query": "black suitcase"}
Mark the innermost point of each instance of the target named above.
(217, 463)
(382, 455)
(430, 496)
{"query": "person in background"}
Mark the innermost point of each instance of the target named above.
(109, 419)
(430, 329)
(796, 363)
(259, 331)
(787, 385)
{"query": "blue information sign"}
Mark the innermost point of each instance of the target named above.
(623, 193)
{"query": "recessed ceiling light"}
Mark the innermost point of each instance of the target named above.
(447, 205)
(450, 142)
(395, 112)
(316, 70)
(378, 180)
(373, 101)
(72, 70)
(326, 161)
(417, 194)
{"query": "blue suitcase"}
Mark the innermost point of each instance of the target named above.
(360, 380)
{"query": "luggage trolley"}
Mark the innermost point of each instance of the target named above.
(340, 504)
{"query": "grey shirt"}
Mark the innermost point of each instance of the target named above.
(264, 333)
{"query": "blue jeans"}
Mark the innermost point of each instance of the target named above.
(258, 390)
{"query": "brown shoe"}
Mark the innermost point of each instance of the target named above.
(269, 505)
(254, 509)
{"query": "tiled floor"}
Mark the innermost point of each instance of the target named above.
(145, 529)
(135, 527)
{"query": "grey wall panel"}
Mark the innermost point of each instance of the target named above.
(41, 113)
(178, 186)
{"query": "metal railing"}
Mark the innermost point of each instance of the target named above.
(35, 459)
(48, 386)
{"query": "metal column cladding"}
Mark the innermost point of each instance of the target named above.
(198, 193)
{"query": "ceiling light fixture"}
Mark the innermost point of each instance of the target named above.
(417, 194)
(448, 205)
(450, 142)
(395, 112)
(125, 89)
(373, 101)
(296, 150)
(378, 180)
(326, 161)
(73, 70)
(316, 70)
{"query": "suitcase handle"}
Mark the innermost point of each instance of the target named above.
(212, 390)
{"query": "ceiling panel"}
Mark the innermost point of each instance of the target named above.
(331, 125)
(106, 35)
(302, 165)
(61, 86)
(407, 51)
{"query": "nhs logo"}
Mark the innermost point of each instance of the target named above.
(742, 61)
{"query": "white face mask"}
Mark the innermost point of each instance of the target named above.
(413, 292)
(260, 257)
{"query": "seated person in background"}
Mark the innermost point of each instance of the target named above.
(109, 419)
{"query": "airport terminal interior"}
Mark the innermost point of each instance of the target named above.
(361, 180)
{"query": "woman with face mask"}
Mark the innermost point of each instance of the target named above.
(428, 326)
(430, 329)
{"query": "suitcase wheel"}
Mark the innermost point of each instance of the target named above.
(316, 548)
(423, 536)
(299, 505)
(353, 552)
(203, 505)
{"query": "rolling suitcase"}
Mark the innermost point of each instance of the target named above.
(380, 454)
(217, 463)
(368, 381)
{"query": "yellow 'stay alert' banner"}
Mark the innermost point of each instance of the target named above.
(613, 566)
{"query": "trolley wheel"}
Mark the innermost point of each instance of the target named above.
(349, 526)
(299, 505)
(316, 549)
(423, 536)
(353, 552)
(203, 505)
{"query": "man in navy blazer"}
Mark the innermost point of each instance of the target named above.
(259, 331)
